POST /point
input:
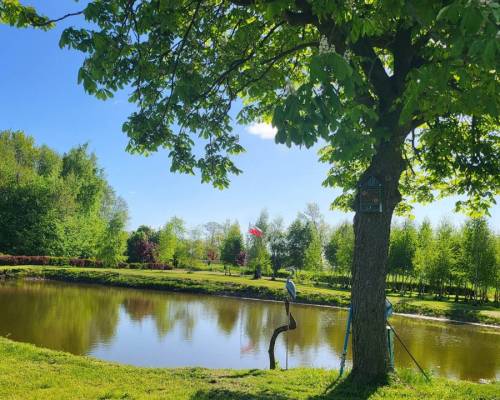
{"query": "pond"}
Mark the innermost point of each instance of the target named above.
(161, 329)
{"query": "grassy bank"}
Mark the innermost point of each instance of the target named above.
(28, 372)
(218, 284)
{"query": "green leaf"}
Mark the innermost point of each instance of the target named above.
(342, 69)
(451, 12)
(316, 68)
(471, 20)
(489, 51)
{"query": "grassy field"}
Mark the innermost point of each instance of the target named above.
(219, 284)
(28, 372)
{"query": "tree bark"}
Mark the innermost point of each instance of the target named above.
(372, 230)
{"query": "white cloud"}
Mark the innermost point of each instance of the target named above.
(265, 131)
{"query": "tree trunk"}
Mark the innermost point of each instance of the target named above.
(372, 230)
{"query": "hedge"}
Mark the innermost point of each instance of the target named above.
(75, 262)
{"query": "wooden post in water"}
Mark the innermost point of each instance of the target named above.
(291, 324)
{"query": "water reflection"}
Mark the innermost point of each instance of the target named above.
(56, 316)
(165, 329)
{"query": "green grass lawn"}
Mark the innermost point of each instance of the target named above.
(219, 284)
(28, 372)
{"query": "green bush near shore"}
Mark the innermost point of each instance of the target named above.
(29, 373)
(218, 284)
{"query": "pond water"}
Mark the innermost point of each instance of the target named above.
(151, 328)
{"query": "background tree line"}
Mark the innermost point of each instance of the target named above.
(462, 262)
(57, 205)
(62, 205)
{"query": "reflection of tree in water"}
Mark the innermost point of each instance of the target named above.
(260, 320)
(317, 328)
(255, 322)
(307, 335)
(165, 309)
(169, 310)
(57, 316)
(333, 325)
(139, 307)
(76, 317)
(185, 313)
(148, 305)
(228, 313)
(459, 351)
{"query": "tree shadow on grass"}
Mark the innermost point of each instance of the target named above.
(227, 394)
(348, 389)
(345, 389)
(244, 374)
(459, 312)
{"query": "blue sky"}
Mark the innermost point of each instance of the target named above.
(39, 95)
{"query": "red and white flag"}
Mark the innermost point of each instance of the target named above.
(255, 232)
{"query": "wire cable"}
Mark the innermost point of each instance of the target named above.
(408, 351)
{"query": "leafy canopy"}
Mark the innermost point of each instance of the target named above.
(358, 76)
(15, 14)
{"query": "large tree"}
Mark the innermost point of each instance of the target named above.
(59, 205)
(277, 245)
(297, 238)
(406, 91)
(402, 248)
(170, 240)
(232, 246)
(478, 251)
(313, 256)
(142, 245)
(112, 244)
(340, 248)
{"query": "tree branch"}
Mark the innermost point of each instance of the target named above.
(51, 21)
(179, 52)
(238, 63)
(248, 2)
(272, 61)
(298, 19)
(293, 18)
(375, 72)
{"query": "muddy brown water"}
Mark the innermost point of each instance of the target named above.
(161, 329)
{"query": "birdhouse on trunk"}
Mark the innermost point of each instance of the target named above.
(370, 194)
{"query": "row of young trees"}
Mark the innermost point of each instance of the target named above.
(57, 205)
(445, 260)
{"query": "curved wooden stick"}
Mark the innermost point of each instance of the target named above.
(277, 331)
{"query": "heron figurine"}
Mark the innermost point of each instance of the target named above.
(292, 292)
(290, 287)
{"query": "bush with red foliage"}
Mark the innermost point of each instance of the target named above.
(74, 262)
(33, 260)
(146, 251)
(241, 258)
